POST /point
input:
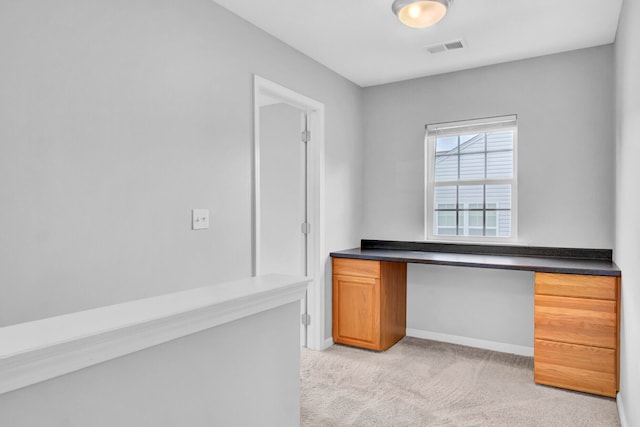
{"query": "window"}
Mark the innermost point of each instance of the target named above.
(471, 180)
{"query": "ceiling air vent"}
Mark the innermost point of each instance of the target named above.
(441, 47)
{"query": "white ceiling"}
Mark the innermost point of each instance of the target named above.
(363, 41)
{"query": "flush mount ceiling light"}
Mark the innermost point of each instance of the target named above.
(420, 13)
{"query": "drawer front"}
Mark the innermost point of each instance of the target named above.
(356, 267)
(576, 321)
(576, 367)
(577, 285)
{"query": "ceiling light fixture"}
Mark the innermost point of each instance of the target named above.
(420, 13)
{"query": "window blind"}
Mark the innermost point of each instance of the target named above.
(471, 126)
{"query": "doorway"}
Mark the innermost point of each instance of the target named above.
(282, 243)
(288, 195)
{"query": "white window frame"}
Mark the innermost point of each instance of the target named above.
(459, 128)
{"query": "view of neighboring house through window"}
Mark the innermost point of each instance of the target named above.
(471, 180)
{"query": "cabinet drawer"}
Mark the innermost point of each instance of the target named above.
(576, 367)
(575, 320)
(577, 285)
(356, 267)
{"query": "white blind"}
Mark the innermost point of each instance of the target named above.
(471, 126)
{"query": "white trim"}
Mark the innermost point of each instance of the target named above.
(621, 412)
(304, 242)
(36, 351)
(317, 255)
(327, 343)
(472, 342)
(262, 89)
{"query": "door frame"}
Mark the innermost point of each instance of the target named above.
(265, 92)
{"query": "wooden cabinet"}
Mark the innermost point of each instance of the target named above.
(369, 302)
(577, 332)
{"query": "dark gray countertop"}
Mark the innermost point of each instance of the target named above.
(546, 264)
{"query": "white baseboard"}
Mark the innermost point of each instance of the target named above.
(327, 343)
(472, 342)
(324, 344)
(621, 413)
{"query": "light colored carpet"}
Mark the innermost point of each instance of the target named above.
(426, 383)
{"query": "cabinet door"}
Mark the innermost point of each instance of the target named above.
(356, 311)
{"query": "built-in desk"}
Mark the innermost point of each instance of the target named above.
(576, 303)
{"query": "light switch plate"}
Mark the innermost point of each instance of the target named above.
(200, 219)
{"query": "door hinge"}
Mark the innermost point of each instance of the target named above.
(306, 136)
(306, 319)
(306, 228)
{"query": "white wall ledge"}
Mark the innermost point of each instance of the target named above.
(36, 351)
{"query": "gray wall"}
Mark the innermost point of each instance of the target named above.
(243, 373)
(119, 117)
(564, 104)
(627, 246)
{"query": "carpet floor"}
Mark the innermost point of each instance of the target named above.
(426, 383)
